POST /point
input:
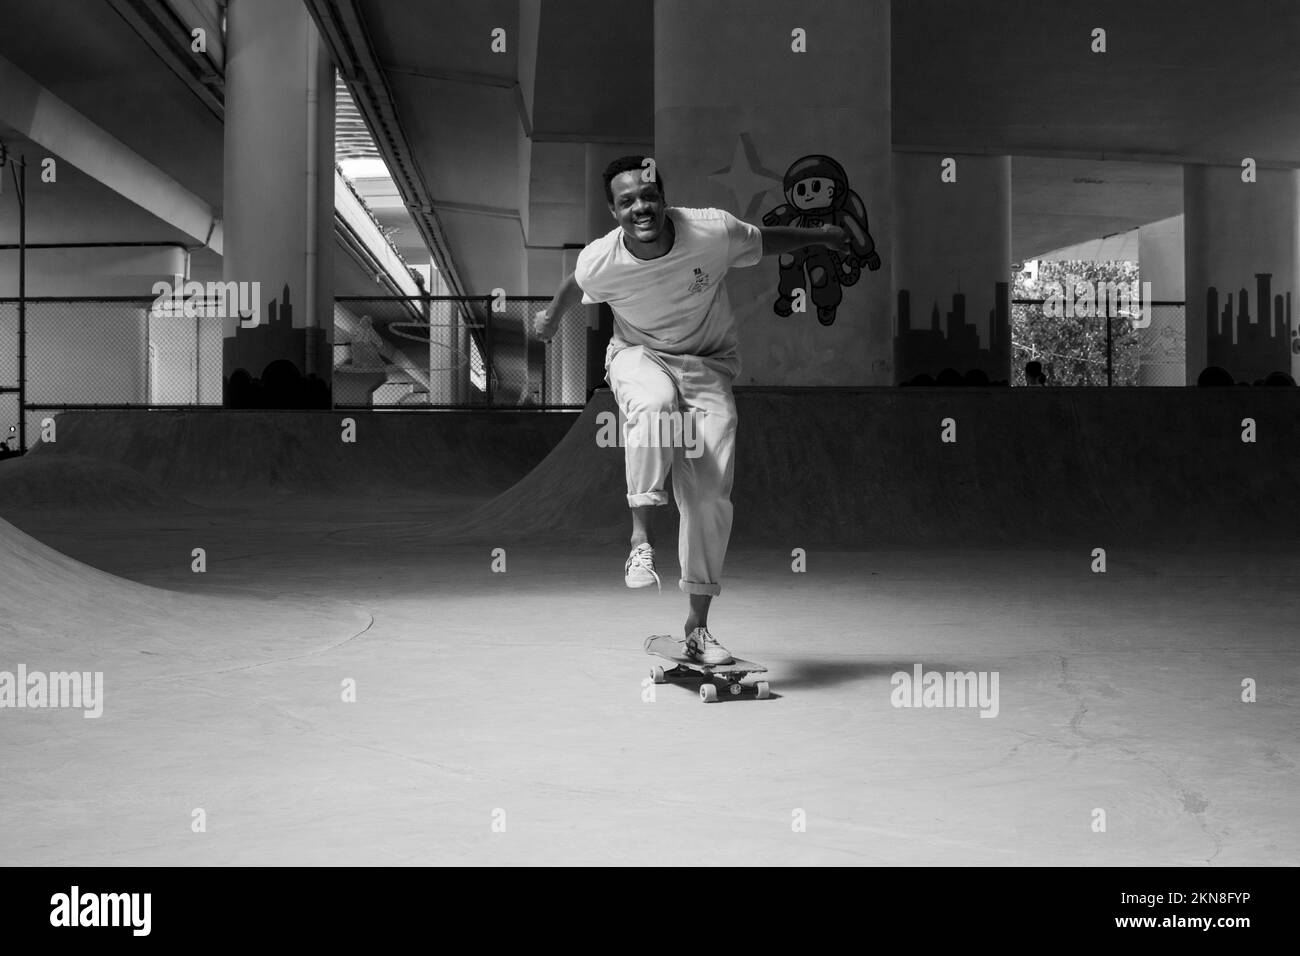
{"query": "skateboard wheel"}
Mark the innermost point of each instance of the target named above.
(708, 693)
(735, 690)
(657, 674)
(763, 691)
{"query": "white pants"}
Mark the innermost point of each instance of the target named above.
(679, 415)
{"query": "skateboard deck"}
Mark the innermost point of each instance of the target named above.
(712, 676)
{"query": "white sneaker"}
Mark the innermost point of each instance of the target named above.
(704, 647)
(639, 572)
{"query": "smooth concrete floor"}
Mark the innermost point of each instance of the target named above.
(485, 698)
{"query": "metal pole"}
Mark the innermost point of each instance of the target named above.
(148, 363)
(426, 309)
(1110, 352)
(544, 397)
(20, 185)
(487, 347)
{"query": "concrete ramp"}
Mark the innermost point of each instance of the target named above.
(79, 483)
(60, 614)
(36, 576)
(220, 456)
(866, 468)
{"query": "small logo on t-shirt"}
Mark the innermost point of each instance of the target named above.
(700, 282)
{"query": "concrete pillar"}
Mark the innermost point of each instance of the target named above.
(952, 265)
(279, 204)
(1162, 345)
(442, 352)
(747, 91)
(1242, 242)
(450, 346)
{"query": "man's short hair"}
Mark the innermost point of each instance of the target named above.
(627, 164)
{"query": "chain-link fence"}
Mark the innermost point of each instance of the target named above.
(1122, 349)
(1162, 346)
(105, 352)
(389, 352)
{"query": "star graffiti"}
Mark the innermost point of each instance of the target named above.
(747, 178)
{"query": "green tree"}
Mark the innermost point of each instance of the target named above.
(1072, 349)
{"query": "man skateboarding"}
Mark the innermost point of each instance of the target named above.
(672, 359)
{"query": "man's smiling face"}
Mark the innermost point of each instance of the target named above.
(638, 206)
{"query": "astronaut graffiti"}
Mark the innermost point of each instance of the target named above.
(817, 193)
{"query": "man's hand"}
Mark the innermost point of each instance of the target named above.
(544, 325)
(836, 239)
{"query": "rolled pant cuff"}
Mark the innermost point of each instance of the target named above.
(647, 498)
(695, 587)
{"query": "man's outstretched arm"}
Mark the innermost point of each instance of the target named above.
(547, 321)
(781, 239)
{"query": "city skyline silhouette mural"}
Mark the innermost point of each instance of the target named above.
(1250, 347)
(950, 350)
(279, 383)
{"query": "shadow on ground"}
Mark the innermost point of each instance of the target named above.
(819, 672)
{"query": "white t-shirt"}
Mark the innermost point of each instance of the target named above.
(677, 303)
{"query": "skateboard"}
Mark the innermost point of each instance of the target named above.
(712, 676)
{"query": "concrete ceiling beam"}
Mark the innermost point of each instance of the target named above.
(40, 116)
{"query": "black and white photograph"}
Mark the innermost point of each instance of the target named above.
(508, 434)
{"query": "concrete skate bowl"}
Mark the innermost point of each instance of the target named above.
(78, 483)
(865, 468)
(216, 457)
(60, 614)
